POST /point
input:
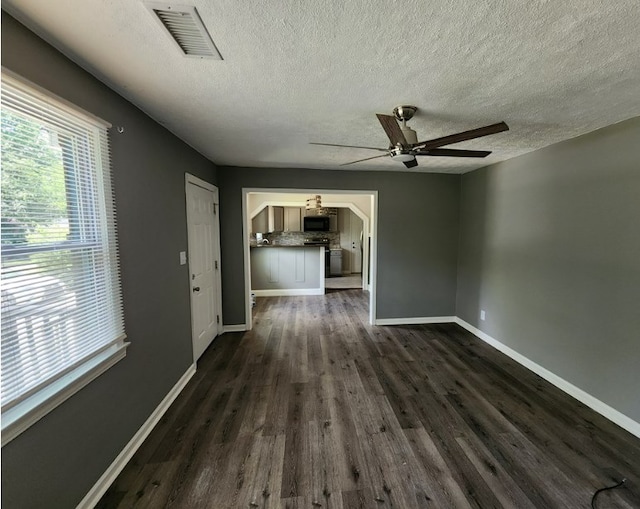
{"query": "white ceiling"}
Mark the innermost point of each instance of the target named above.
(296, 71)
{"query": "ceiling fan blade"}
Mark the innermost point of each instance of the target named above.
(452, 152)
(366, 159)
(410, 164)
(348, 146)
(391, 127)
(463, 136)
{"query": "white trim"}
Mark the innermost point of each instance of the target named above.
(282, 292)
(602, 408)
(323, 252)
(106, 479)
(372, 260)
(416, 320)
(246, 229)
(26, 413)
(240, 327)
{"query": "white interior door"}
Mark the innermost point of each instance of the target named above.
(344, 227)
(355, 232)
(204, 274)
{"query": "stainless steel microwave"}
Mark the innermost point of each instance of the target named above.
(317, 224)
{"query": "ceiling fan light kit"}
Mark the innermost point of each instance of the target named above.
(404, 145)
(397, 154)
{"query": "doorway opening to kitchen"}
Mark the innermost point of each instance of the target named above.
(345, 261)
(309, 242)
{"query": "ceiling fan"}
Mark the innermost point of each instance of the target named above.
(404, 145)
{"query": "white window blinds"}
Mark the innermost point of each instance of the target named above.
(61, 303)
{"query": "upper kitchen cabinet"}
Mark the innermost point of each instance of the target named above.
(277, 219)
(293, 219)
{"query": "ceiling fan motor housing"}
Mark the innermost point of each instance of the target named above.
(403, 114)
(409, 135)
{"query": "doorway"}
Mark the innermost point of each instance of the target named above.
(362, 203)
(203, 231)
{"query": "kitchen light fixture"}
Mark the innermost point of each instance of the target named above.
(315, 202)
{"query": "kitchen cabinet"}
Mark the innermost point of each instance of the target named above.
(293, 219)
(287, 219)
(278, 219)
(287, 270)
(335, 262)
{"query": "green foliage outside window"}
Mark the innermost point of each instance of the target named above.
(32, 173)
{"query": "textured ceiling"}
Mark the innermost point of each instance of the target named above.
(318, 70)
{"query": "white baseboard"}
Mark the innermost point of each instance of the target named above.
(415, 320)
(605, 410)
(99, 488)
(240, 327)
(288, 293)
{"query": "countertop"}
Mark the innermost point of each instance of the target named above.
(261, 246)
(284, 245)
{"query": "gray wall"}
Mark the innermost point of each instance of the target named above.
(550, 249)
(55, 462)
(417, 234)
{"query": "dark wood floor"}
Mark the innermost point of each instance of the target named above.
(314, 408)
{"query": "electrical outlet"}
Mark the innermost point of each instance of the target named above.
(183, 257)
(482, 314)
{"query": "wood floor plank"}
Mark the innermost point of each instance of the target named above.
(444, 426)
(358, 499)
(255, 415)
(506, 490)
(276, 418)
(295, 478)
(347, 452)
(316, 408)
(263, 473)
(443, 490)
(324, 478)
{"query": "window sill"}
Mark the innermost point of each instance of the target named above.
(20, 417)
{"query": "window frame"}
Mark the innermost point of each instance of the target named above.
(39, 401)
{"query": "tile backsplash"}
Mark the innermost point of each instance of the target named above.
(297, 238)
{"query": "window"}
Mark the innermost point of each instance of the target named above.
(61, 317)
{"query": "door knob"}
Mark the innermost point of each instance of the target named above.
(196, 288)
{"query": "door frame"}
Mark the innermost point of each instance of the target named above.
(371, 226)
(193, 180)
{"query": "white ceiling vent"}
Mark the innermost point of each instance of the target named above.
(186, 29)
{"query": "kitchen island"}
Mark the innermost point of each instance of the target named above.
(281, 270)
